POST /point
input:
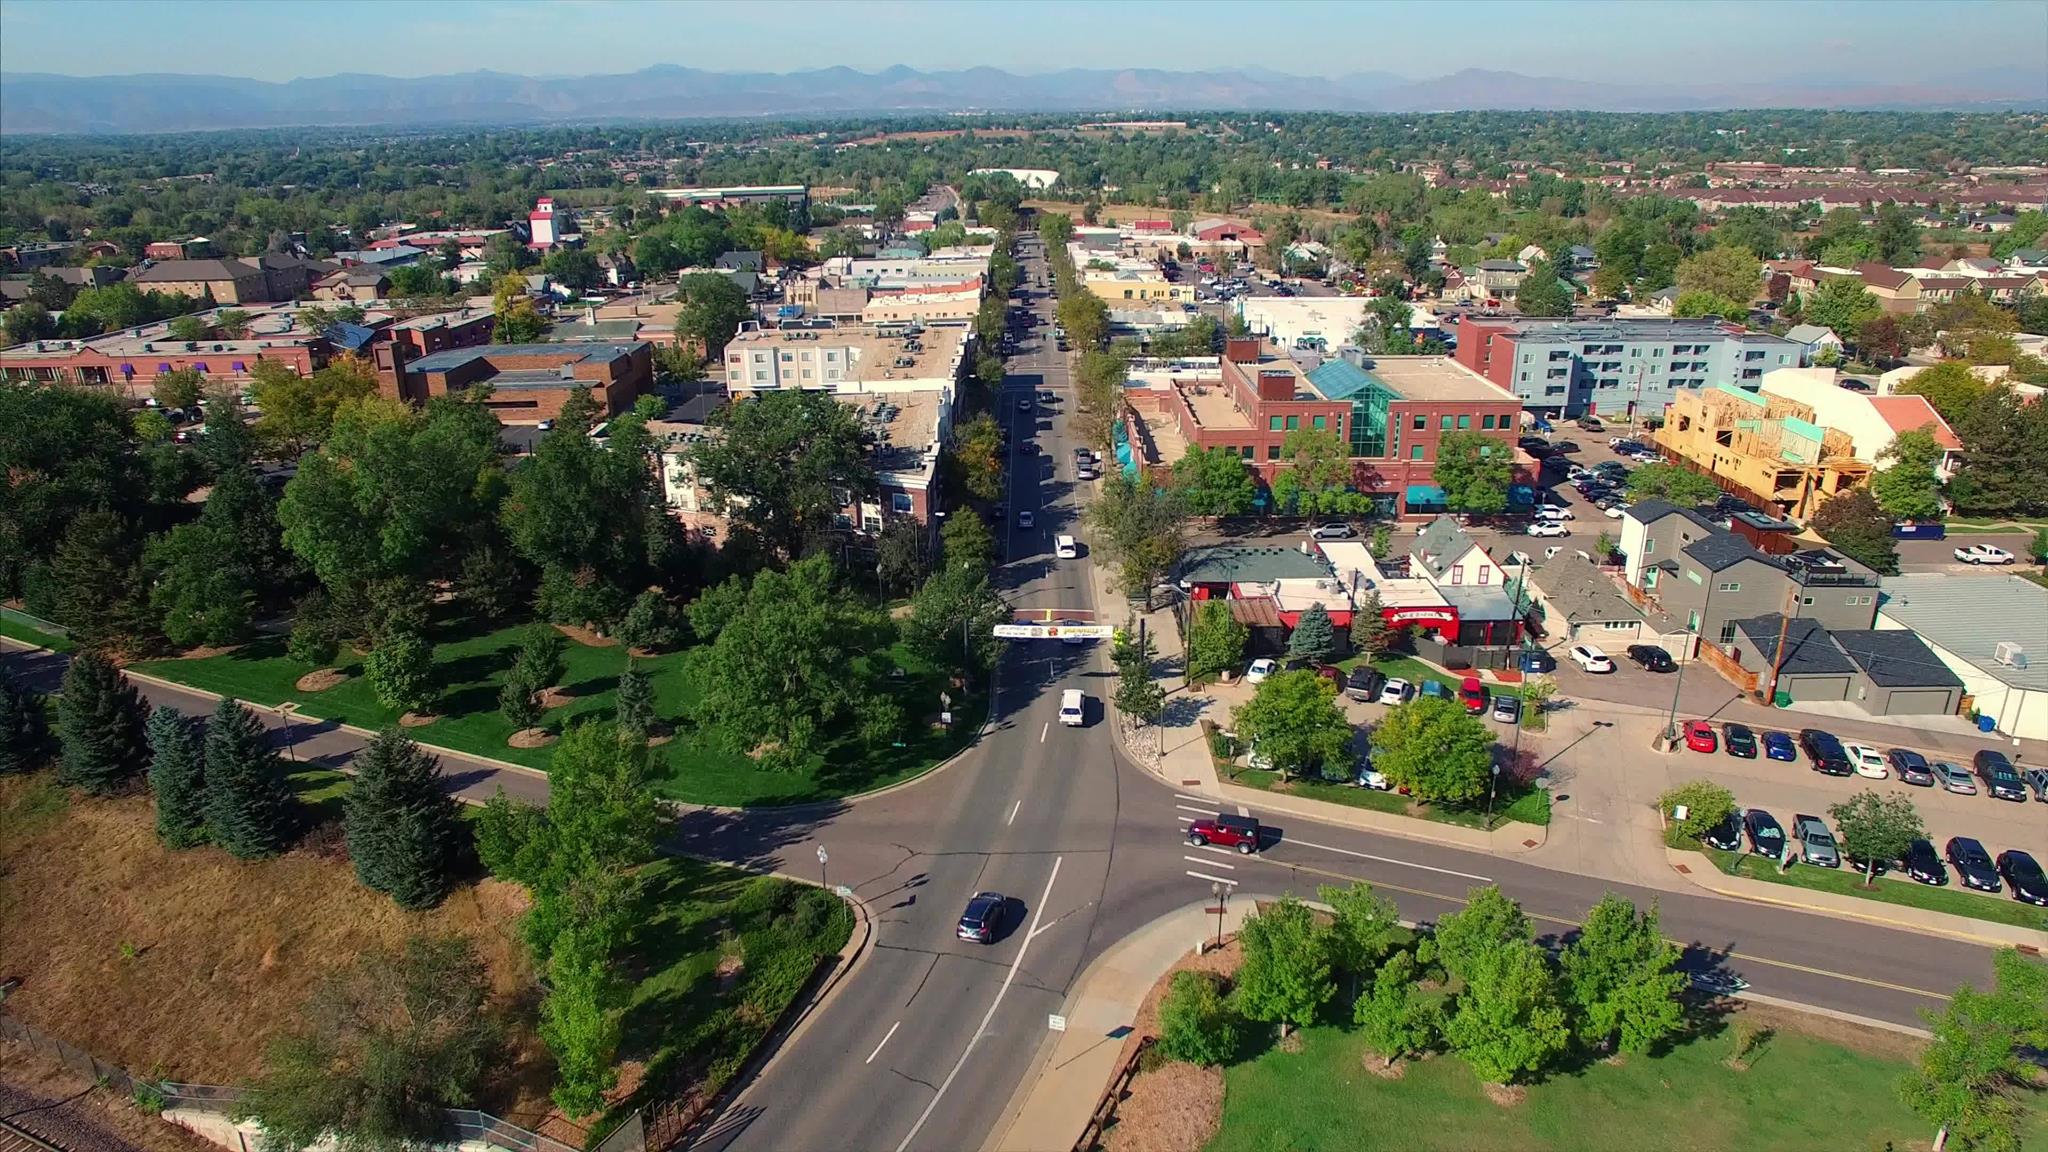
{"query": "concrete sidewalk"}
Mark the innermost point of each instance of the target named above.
(1058, 1095)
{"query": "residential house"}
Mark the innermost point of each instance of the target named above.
(1812, 338)
(359, 284)
(1872, 422)
(1494, 281)
(1576, 602)
(1886, 673)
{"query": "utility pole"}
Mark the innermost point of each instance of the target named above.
(1784, 629)
(1678, 683)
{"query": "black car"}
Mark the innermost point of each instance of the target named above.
(1727, 835)
(1923, 865)
(1911, 767)
(1531, 443)
(1766, 838)
(1972, 863)
(1824, 751)
(1364, 684)
(1536, 660)
(1739, 741)
(983, 916)
(1652, 657)
(2001, 781)
(2021, 871)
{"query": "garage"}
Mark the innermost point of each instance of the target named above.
(1897, 674)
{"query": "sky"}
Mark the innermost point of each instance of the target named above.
(1623, 41)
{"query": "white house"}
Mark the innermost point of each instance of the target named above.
(1812, 338)
(1871, 422)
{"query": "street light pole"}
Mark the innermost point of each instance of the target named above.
(1678, 681)
(1221, 892)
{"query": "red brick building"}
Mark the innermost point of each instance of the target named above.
(529, 382)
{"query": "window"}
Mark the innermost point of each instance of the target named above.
(807, 373)
(1485, 574)
(788, 358)
(1245, 452)
(1692, 621)
(1293, 422)
(1464, 423)
(1729, 586)
(1617, 625)
(899, 502)
(1525, 377)
(1727, 633)
(1806, 599)
(870, 524)
(760, 374)
(1321, 422)
(1415, 452)
(1554, 390)
(1649, 546)
(1272, 451)
(1457, 573)
(1421, 422)
(1693, 576)
(1635, 353)
(1486, 421)
(1274, 424)
(1445, 423)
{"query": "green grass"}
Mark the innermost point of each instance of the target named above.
(470, 666)
(1415, 672)
(1887, 890)
(1321, 1099)
(15, 629)
(1530, 808)
(1993, 524)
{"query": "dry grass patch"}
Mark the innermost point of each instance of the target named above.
(1172, 1107)
(101, 1109)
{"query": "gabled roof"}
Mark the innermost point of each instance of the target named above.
(1896, 658)
(1906, 412)
(176, 271)
(1440, 545)
(1722, 550)
(1580, 592)
(1650, 511)
(1809, 333)
(1882, 276)
(1809, 650)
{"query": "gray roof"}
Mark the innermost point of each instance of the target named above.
(1440, 544)
(180, 271)
(566, 353)
(1240, 564)
(748, 260)
(1722, 550)
(1809, 651)
(1650, 511)
(1478, 601)
(1971, 615)
(1580, 592)
(1501, 266)
(1896, 658)
(1808, 333)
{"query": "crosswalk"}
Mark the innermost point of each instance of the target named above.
(1206, 808)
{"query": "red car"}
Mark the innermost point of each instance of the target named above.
(1473, 693)
(1699, 736)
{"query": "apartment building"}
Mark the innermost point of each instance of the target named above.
(131, 359)
(855, 359)
(1616, 367)
(262, 279)
(1766, 448)
(1709, 577)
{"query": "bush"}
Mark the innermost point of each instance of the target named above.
(316, 632)
(1195, 1025)
(1706, 804)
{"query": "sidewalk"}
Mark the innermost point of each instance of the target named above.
(1060, 1092)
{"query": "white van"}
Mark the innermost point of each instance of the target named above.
(1073, 708)
(1065, 547)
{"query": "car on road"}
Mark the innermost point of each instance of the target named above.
(1739, 741)
(1332, 532)
(1025, 519)
(1699, 736)
(983, 917)
(1026, 447)
(1816, 843)
(1260, 669)
(1983, 554)
(1507, 709)
(1778, 746)
(1590, 658)
(1824, 752)
(1086, 472)
(1719, 983)
(1548, 528)
(1065, 548)
(1996, 774)
(1364, 684)
(1226, 831)
(1953, 778)
(1396, 691)
(1473, 694)
(1023, 403)
(1972, 863)
(2023, 875)
(1073, 708)
(1727, 835)
(1923, 865)
(1651, 658)
(1766, 838)
(1911, 767)
(1866, 761)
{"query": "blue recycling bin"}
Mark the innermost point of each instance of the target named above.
(1986, 723)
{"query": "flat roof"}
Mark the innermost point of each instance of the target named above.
(905, 425)
(1212, 404)
(576, 352)
(1435, 378)
(1249, 564)
(874, 354)
(1626, 328)
(1971, 615)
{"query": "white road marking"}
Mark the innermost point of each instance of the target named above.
(1185, 819)
(1221, 851)
(1199, 875)
(1008, 978)
(1196, 799)
(1013, 812)
(1210, 863)
(1043, 731)
(1243, 811)
(1189, 808)
(1391, 860)
(885, 1040)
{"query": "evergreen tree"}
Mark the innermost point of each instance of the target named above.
(177, 777)
(24, 728)
(249, 810)
(538, 663)
(1314, 638)
(1369, 631)
(100, 721)
(636, 701)
(401, 824)
(518, 704)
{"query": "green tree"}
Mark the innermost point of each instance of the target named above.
(211, 574)
(316, 634)
(966, 542)
(1216, 641)
(1314, 637)
(100, 725)
(1681, 486)
(1508, 1023)
(1434, 750)
(1397, 1018)
(1370, 633)
(1860, 529)
(25, 743)
(1140, 526)
(1138, 695)
(2005, 454)
(651, 623)
(1706, 805)
(1876, 828)
(1708, 304)
(379, 1050)
(635, 701)
(574, 268)
(1214, 482)
(539, 662)
(1733, 274)
(1840, 304)
(402, 825)
(1488, 922)
(901, 553)
(400, 670)
(249, 810)
(579, 1019)
(1285, 977)
(179, 389)
(1364, 927)
(956, 606)
(1474, 471)
(1621, 979)
(1950, 386)
(1295, 722)
(1897, 236)
(1909, 489)
(1973, 1078)
(298, 411)
(1319, 477)
(25, 322)
(1196, 1025)
(977, 452)
(519, 703)
(1542, 293)
(96, 584)
(781, 464)
(713, 309)
(177, 778)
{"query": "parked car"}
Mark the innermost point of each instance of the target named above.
(1651, 658)
(1364, 684)
(1953, 778)
(1332, 532)
(1616, 511)
(1025, 519)
(1473, 694)
(1923, 865)
(2023, 875)
(1332, 673)
(1996, 773)
(1816, 843)
(1824, 752)
(1739, 741)
(1590, 658)
(1396, 691)
(1536, 661)
(1260, 669)
(1766, 838)
(1727, 835)
(1866, 761)
(1699, 736)
(1778, 746)
(1983, 554)
(2037, 779)
(1972, 863)
(1554, 512)
(1507, 709)
(1436, 688)
(1226, 831)
(1911, 767)
(1373, 778)
(983, 917)
(1548, 528)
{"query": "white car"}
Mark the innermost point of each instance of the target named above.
(1867, 761)
(1260, 669)
(1396, 691)
(1555, 512)
(1374, 779)
(1025, 519)
(1590, 658)
(1549, 528)
(1615, 511)
(1983, 554)
(1332, 532)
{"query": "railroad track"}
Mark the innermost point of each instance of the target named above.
(15, 1138)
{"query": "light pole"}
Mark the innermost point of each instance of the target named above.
(1221, 892)
(821, 867)
(284, 712)
(1678, 681)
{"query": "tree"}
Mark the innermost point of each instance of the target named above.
(1883, 339)
(1856, 526)
(2005, 452)
(1972, 1079)
(25, 743)
(1397, 1017)
(211, 573)
(651, 623)
(400, 670)
(1708, 304)
(249, 810)
(1488, 921)
(1364, 927)
(177, 778)
(713, 309)
(1285, 977)
(298, 411)
(1542, 293)
(1141, 526)
(1434, 750)
(1319, 476)
(977, 452)
(1215, 482)
(1730, 273)
(1681, 486)
(1314, 638)
(100, 724)
(1474, 471)
(966, 542)
(574, 268)
(1950, 386)
(539, 662)
(379, 1050)
(1508, 1022)
(900, 553)
(955, 606)
(1370, 632)
(1706, 805)
(1897, 236)
(1138, 695)
(1195, 1023)
(1216, 640)
(1909, 489)
(519, 704)
(402, 825)
(1621, 979)
(179, 389)
(1876, 828)
(94, 584)
(782, 464)
(635, 701)
(27, 321)
(1295, 723)
(579, 1019)
(1840, 304)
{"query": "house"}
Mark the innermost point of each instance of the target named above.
(1991, 632)
(1896, 291)
(15, 287)
(528, 382)
(1494, 281)
(1763, 446)
(1466, 577)
(742, 261)
(2028, 258)
(1884, 672)
(1581, 259)
(1577, 602)
(359, 284)
(1993, 222)
(1872, 422)
(1812, 338)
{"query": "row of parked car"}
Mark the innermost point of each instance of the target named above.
(1991, 771)
(2011, 871)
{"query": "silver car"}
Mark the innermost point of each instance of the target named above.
(1953, 779)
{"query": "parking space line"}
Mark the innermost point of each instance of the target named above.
(1187, 808)
(1185, 819)
(1196, 799)
(1210, 863)
(1198, 875)
(1013, 812)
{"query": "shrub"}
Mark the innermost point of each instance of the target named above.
(1195, 1025)
(1706, 805)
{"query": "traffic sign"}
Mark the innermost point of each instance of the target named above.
(1056, 1022)
(1053, 631)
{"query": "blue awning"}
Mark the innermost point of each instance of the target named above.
(1425, 494)
(1521, 494)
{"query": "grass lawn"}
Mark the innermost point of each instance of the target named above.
(1993, 524)
(21, 630)
(1415, 672)
(1887, 890)
(1321, 1099)
(1532, 807)
(470, 666)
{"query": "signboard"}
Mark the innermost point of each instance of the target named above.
(1053, 631)
(1056, 1023)
(1446, 617)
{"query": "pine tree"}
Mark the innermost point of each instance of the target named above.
(518, 704)
(177, 776)
(100, 720)
(401, 824)
(538, 663)
(1314, 637)
(636, 701)
(24, 728)
(249, 810)
(1369, 631)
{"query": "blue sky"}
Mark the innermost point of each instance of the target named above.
(1636, 42)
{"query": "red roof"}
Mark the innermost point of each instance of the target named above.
(1881, 276)
(1905, 413)
(1151, 225)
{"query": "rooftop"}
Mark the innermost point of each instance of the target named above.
(557, 354)
(880, 352)
(1212, 404)
(1425, 378)
(1808, 650)
(1625, 329)
(1896, 658)
(1971, 617)
(1580, 591)
(905, 427)
(1247, 564)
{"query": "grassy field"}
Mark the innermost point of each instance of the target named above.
(1321, 1099)
(1415, 672)
(20, 630)
(1531, 807)
(1887, 890)
(470, 666)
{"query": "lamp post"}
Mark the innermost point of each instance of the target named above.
(284, 712)
(1221, 892)
(1678, 681)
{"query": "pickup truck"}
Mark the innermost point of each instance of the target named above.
(1983, 554)
(1816, 843)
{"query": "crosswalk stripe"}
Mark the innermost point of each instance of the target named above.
(1217, 879)
(1210, 863)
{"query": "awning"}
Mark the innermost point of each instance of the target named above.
(1521, 494)
(1426, 494)
(201, 366)
(163, 367)
(239, 366)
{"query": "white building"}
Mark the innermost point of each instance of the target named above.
(853, 359)
(1871, 422)
(1990, 631)
(1289, 320)
(1036, 179)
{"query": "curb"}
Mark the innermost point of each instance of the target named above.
(1253, 797)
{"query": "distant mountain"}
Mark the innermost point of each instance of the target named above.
(45, 103)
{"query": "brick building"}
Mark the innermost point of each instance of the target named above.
(529, 382)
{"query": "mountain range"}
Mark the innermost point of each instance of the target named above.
(33, 103)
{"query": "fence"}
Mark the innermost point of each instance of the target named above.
(83, 1063)
(1105, 1108)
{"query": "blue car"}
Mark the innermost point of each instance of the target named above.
(1778, 746)
(1437, 689)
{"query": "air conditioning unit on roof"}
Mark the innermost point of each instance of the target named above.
(2010, 654)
